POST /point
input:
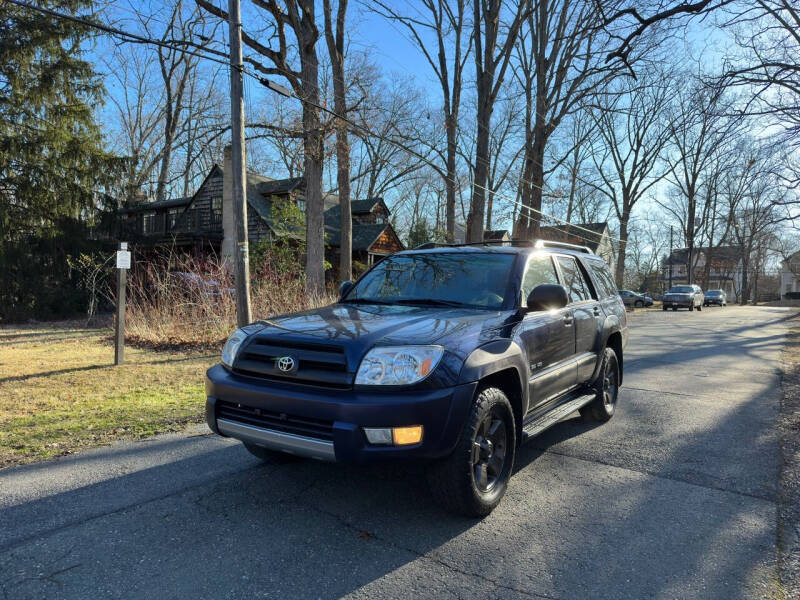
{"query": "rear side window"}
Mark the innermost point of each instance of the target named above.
(603, 282)
(577, 289)
(540, 270)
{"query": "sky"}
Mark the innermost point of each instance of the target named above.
(388, 45)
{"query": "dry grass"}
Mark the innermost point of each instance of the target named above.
(166, 312)
(60, 393)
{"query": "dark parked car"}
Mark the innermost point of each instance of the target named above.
(630, 298)
(718, 297)
(453, 355)
(684, 296)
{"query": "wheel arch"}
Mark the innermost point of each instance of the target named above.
(501, 364)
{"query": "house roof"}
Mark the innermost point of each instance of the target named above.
(364, 234)
(280, 186)
(578, 232)
(357, 207)
(157, 204)
(495, 234)
(680, 256)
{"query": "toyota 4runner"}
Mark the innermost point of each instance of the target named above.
(454, 355)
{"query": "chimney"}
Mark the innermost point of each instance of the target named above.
(228, 228)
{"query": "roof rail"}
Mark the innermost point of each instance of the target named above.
(429, 245)
(540, 243)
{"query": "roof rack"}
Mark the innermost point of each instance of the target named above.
(429, 245)
(540, 243)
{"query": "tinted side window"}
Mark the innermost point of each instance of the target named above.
(577, 289)
(540, 270)
(604, 284)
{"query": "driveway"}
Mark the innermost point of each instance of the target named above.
(674, 498)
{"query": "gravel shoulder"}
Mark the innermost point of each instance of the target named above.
(789, 486)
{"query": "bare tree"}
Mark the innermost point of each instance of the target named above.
(700, 125)
(446, 21)
(561, 62)
(493, 43)
(335, 41)
(298, 18)
(633, 125)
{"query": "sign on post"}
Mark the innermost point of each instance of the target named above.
(123, 264)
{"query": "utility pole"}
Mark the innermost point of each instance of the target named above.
(241, 257)
(669, 259)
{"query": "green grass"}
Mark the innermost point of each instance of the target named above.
(60, 392)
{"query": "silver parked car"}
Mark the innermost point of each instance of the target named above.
(718, 297)
(684, 296)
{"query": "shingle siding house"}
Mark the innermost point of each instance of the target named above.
(725, 271)
(204, 221)
(596, 236)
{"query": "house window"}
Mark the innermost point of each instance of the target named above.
(172, 220)
(216, 211)
(379, 219)
(149, 223)
(301, 205)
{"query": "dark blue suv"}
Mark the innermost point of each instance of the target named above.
(449, 354)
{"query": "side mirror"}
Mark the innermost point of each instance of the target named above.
(345, 288)
(547, 296)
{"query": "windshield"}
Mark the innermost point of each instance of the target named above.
(681, 289)
(445, 278)
(714, 293)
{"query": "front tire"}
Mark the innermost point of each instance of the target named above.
(675, 308)
(637, 304)
(473, 479)
(699, 307)
(601, 409)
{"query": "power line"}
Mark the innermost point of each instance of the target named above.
(127, 36)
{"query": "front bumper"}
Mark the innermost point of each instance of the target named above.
(679, 302)
(441, 412)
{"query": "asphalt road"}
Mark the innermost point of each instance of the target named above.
(674, 498)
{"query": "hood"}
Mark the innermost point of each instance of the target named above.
(357, 328)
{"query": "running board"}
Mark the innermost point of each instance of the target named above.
(538, 425)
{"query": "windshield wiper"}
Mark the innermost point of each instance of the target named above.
(432, 302)
(365, 301)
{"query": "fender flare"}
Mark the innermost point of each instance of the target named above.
(496, 356)
(611, 325)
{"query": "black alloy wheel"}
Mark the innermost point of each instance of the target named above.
(489, 450)
(601, 409)
(473, 479)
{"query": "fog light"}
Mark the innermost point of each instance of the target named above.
(403, 436)
(378, 436)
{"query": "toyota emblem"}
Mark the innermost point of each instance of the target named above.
(285, 364)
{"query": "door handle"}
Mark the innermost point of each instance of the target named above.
(596, 311)
(568, 319)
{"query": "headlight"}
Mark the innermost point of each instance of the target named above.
(398, 365)
(231, 347)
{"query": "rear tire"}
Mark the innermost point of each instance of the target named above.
(271, 456)
(691, 307)
(638, 304)
(675, 308)
(473, 479)
(699, 307)
(601, 409)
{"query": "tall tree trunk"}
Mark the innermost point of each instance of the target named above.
(477, 205)
(314, 158)
(619, 271)
(335, 41)
(450, 182)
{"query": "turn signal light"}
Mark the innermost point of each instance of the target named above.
(403, 436)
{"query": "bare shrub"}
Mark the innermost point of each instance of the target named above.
(189, 301)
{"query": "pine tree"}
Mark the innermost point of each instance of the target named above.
(51, 155)
(52, 162)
